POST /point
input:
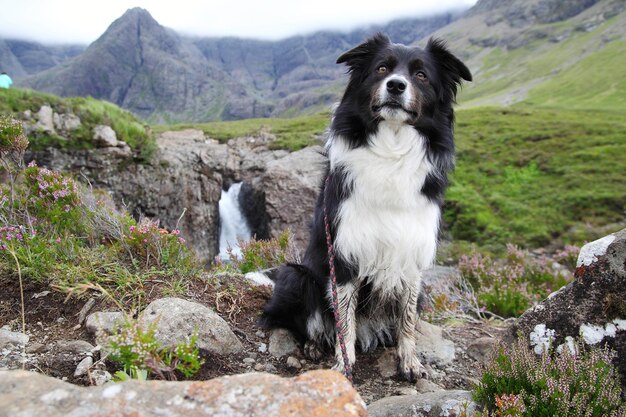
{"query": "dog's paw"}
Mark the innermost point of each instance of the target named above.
(339, 367)
(411, 369)
(312, 351)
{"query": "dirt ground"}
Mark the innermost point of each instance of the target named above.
(52, 317)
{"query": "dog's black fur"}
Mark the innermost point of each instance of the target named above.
(430, 77)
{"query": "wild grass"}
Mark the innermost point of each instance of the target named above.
(91, 112)
(291, 133)
(509, 286)
(531, 176)
(60, 233)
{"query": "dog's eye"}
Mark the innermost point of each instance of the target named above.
(381, 70)
(420, 75)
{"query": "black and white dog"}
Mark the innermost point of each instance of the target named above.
(390, 148)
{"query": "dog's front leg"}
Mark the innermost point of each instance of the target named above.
(409, 365)
(346, 297)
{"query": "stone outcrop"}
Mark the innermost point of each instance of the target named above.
(182, 185)
(316, 393)
(291, 187)
(593, 305)
(175, 320)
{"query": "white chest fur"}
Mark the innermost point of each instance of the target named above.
(387, 229)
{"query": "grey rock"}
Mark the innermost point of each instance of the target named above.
(293, 363)
(104, 136)
(405, 391)
(481, 348)
(291, 187)
(249, 361)
(432, 404)
(83, 366)
(75, 347)
(432, 347)
(593, 301)
(424, 385)
(82, 315)
(36, 348)
(68, 122)
(100, 377)
(282, 343)
(45, 120)
(177, 320)
(104, 321)
(315, 393)
(8, 338)
(270, 368)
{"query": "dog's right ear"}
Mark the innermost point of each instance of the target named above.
(359, 55)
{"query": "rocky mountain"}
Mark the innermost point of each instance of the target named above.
(543, 52)
(22, 58)
(165, 77)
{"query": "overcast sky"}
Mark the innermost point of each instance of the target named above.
(83, 21)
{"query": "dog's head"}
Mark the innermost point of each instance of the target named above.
(401, 84)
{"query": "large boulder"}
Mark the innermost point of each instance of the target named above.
(175, 320)
(316, 393)
(592, 306)
(291, 186)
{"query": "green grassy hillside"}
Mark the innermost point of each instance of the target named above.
(576, 62)
(529, 175)
(291, 133)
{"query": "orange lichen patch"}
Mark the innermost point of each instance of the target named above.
(208, 392)
(323, 393)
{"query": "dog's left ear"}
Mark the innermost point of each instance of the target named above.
(452, 69)
(359, 55)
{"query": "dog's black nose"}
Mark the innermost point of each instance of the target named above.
(396, 86)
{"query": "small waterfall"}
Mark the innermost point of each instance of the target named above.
(233, 226)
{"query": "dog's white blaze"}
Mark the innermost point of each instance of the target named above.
(386, 228)
(391, 114)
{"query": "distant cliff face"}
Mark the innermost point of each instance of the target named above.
(164, 77)
(22, 58)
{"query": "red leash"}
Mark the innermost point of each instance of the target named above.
(339, 330)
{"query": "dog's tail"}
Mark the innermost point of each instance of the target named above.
(296, 296)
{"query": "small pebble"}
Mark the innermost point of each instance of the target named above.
(83, 366)
(406, 391)
(270, 368)
(260, 334)
(249, 361)
(262, 348)
(293, 363)
(259, 367)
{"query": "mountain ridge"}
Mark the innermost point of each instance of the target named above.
(222, 78)
(518, 51)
